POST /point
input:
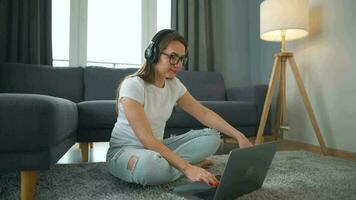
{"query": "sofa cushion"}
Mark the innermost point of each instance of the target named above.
(102, 114)
(101, 83)
(94, 135)
(236, 113)
(64, 82)
(97, 114)
(204, 86)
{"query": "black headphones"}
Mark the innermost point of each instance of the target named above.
(152, 51)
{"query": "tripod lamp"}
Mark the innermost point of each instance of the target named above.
(281, 21)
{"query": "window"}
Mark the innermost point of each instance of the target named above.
(110, 33)
(163, 14)
(114, 32)
(60, 32)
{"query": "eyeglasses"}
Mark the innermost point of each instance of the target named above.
(175, 59)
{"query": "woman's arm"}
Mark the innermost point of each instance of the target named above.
(210, 119)
(137, 119)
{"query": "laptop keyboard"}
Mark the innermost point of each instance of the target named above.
(206, 194)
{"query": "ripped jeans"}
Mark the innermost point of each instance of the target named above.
(150, 168)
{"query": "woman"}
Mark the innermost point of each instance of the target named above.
(137, 150)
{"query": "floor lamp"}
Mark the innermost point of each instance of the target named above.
(281, 21)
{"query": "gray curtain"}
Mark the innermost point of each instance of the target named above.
(26, 31)
(193, 19)
(218, 33)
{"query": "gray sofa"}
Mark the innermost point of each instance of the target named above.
(44, 110)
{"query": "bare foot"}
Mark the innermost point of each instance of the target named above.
(205, 164)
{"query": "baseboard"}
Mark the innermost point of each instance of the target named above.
(331, 152)
(295, 145)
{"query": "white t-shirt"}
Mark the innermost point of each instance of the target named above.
(157, 102)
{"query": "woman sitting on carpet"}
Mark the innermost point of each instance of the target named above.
(138, 153)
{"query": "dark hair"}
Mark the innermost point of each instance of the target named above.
(147, 71)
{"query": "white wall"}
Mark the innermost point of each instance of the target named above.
(327, 62)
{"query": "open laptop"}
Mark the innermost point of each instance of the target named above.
(244, 172)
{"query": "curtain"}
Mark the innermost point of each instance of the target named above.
(26, 31)
(218, 34)
(193, 19)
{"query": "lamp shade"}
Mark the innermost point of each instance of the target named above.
(288, 16)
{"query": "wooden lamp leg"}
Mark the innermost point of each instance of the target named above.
(267, 103)
(279, 109)
(28, 184)
(284, 118)
(307, 104)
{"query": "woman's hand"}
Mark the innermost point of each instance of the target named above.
(194, 173)
(243, 141)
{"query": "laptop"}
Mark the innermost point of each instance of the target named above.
(244, 172)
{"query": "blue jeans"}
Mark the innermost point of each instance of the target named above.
(150, 168)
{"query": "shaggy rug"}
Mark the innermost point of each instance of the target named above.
(293, 175)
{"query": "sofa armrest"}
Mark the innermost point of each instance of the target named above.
(31, 122)
(256, 94)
